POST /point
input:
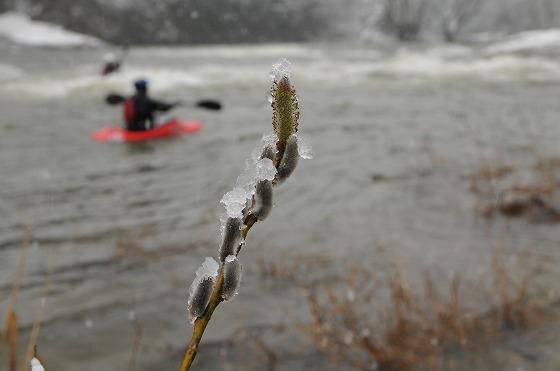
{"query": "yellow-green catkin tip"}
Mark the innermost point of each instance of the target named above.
(285, 109)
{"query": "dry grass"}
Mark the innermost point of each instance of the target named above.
(515, 192)
(138, 335)
(247, 350)
(384, 324)
(11, 328)
(10, 333)
(128, 246)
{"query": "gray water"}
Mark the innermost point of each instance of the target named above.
(395, 133)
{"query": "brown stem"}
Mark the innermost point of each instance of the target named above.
(215, 300)
(138, 332)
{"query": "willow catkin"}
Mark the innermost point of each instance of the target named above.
(285, 110)
(289, 160)
(232, 238)
(263, 199)
(200, 297)
(232, 277)
(268, 152)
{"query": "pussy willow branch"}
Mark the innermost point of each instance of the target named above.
(215, 300)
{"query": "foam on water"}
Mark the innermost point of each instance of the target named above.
(434, 64)
(61, 87)
(528, 41)
(237, 51)
(8, 72)
(431, 63)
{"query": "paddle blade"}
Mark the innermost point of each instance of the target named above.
(209, 104)
(114, 99)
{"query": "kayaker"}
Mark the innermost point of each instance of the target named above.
(140, 108)
(114, 61)
(112, 64)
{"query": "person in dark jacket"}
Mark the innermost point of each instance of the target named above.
(139, 109)
(113, 61)
(112, 64)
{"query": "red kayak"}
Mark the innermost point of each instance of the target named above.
(172, 128)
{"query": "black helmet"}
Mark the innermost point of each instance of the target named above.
(141, 84)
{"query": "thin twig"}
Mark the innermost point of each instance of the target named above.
(138, 333)
(11, 323)
(215, 300)
(12, 335)
(32, 344)
(285, 124)
(21, 268)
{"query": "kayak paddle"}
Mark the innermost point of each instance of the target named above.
(114, 99)
(209, 104)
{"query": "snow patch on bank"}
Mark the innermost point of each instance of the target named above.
(536, 40)
(19, 28)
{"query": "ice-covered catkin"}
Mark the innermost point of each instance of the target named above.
(201, 288)
(263, 199)
(200, 297)
(232, 277)
(36, 365)
(268, 152)
(289, 160)
(232, 238)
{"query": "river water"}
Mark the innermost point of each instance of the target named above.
(120, 229)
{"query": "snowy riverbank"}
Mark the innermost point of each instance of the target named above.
(20, 29)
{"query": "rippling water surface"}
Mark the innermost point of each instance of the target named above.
(121, 228)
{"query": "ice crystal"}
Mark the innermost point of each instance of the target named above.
(304, 149)
(256, 170)
(281, 69)
(36, 365)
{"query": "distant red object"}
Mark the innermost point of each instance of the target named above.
(172, 128)
(110, 67)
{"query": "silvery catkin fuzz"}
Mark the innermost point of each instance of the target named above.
(263, 199)
(232, 238)
(200, 297)
(289, 160)
(268, 152)
(232, 277)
